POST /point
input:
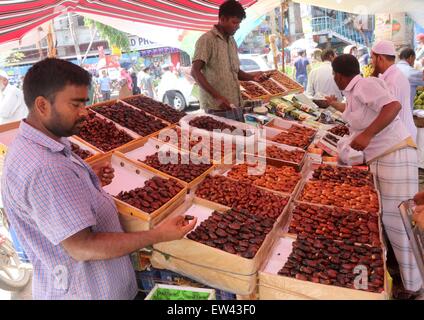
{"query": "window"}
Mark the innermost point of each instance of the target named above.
(248, 65)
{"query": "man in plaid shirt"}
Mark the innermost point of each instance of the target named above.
(67, 224)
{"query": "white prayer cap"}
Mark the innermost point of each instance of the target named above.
(385, 47)
(4, 74)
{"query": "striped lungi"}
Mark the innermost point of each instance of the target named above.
(397, 178)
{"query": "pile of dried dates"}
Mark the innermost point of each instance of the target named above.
(362, 198)
(336, 224)
(184, 169)
(103, 134)
(287, 83)
(133, 119)
(156, 108)
(253, 90)
(242, 196)
(331, 262)
(272, 87)
(275, 152)
(352, 176)
(295, 140)
(83, 154)
(196, 144)
(236, 232)
(340, 130)
(155, 193)
(211, 124)
(282, 179)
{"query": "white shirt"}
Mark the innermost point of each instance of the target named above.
(365, 99)
(321, 82)
(401, 90)
(12, 105)
(415, 78)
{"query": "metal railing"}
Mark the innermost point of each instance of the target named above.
(347, 33)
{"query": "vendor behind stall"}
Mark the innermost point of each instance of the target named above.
(216, 65)
(67, 224)
(376, 129)
(383, 55)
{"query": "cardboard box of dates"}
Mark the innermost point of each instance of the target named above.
(83, 150)
(290, 133)
(312, 268)
(156, 108)
(226, 248)
(206, 124)
(168, 160)
(343, 187)
(201, 145)
(276, 154)
(136, 120)
(103, 134)
(142, 197)
(8, 132)
(279, 179)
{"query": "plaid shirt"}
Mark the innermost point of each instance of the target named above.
(50, 194)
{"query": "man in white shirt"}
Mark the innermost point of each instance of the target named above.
(321, 82)
(12, 104)
(415, 77)
(376, 129)
(383, 57)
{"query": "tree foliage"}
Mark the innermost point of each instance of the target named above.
(113, 36)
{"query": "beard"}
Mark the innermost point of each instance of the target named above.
(60, 128)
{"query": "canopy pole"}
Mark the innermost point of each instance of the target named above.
(284, 6)
(52, 52)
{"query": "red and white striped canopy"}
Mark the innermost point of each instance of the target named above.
(18, 17)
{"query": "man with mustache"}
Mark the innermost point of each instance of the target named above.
(67, 224)
(216, 65)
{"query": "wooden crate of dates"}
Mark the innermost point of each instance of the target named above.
(103, 134)
(276, 154)
(156, 108)
(225, 250)
(319, 268)
(284, 180)
(184, 166)
(142, 197)
(131, 118)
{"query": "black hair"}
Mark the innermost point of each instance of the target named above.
(407, 53)
(232, 8)
(327, 54)
(347, 65)
(49, 76)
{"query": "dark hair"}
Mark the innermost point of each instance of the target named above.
(232, 8)
(51, 75)
(327, 54)
(407, 53)
(347, 65)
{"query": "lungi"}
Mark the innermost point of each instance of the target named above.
(397, 179)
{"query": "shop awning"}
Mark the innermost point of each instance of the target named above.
(17, 17)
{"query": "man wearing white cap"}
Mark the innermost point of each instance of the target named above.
(383, 58)
(12, 104)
